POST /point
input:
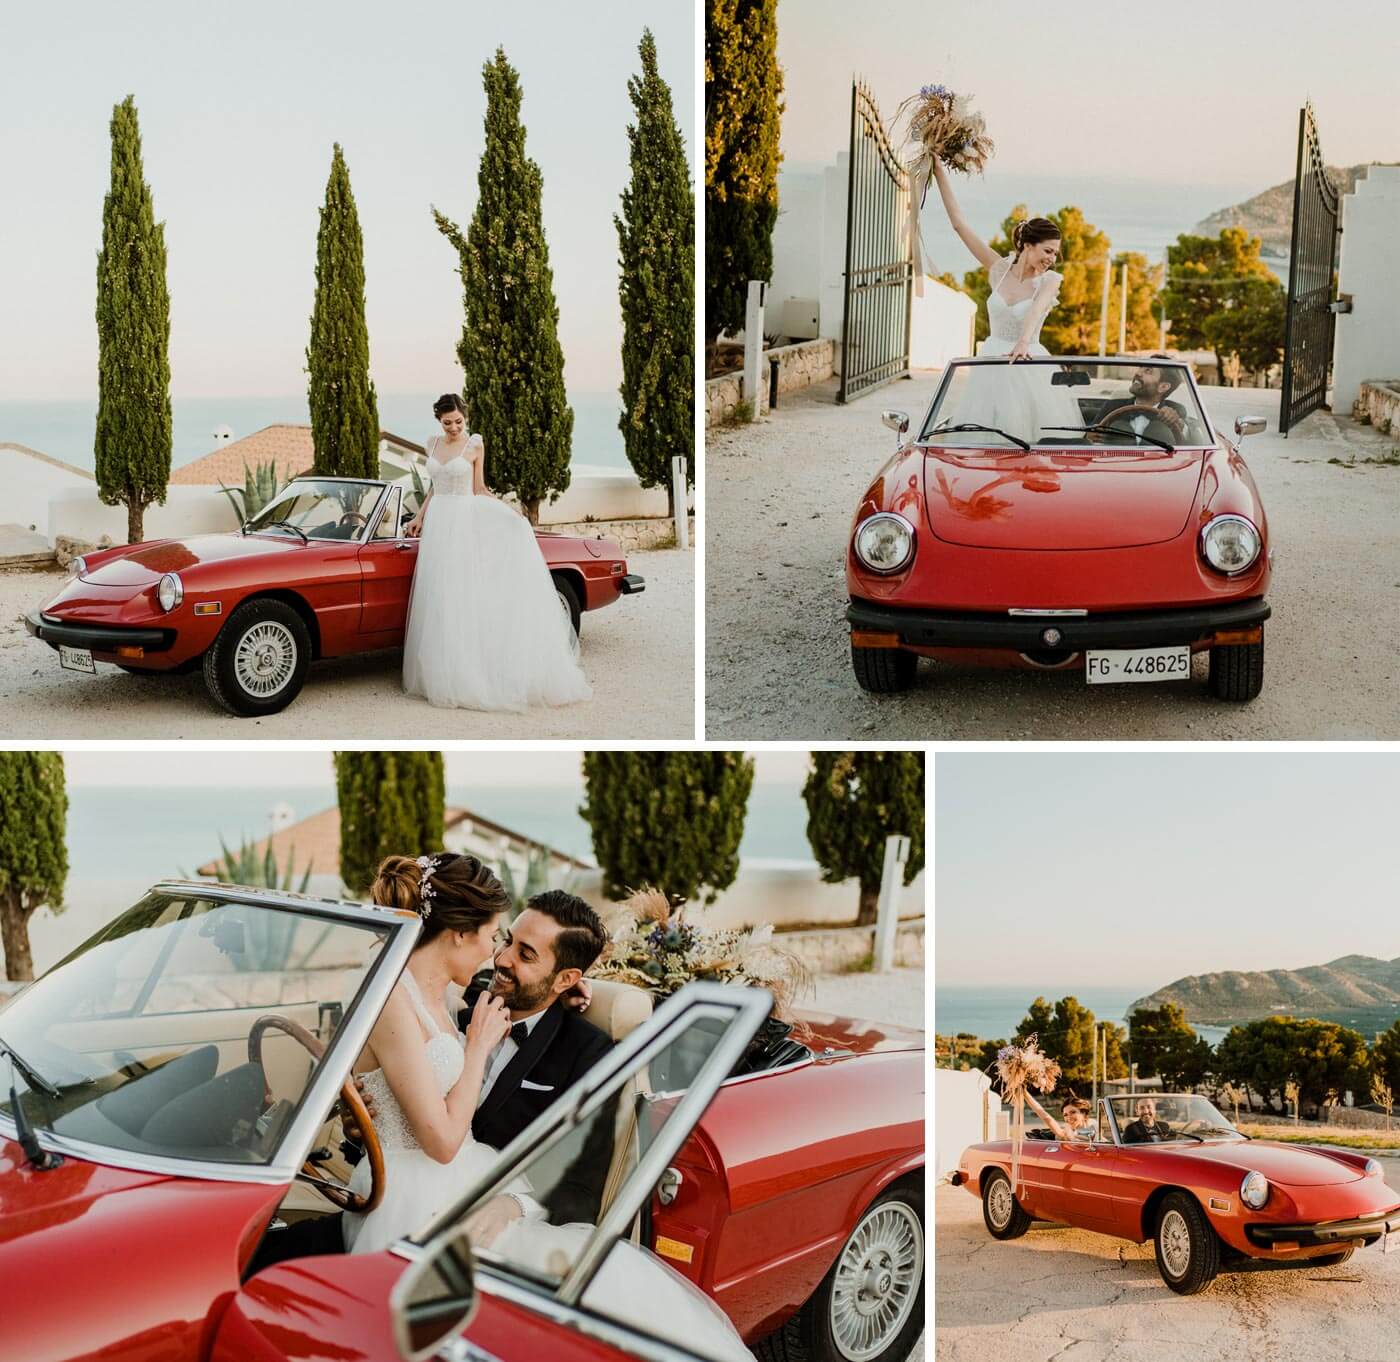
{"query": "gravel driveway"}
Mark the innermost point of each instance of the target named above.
(638, 653)
(1083, 1297)
(779, 499)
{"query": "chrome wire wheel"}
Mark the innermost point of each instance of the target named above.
(265, 659)
(999, 1203)
(1174, 1237)
(877, 1281)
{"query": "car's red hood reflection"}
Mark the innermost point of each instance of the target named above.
(152, 561)
(1060, 500)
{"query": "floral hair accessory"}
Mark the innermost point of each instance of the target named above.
(426, 864)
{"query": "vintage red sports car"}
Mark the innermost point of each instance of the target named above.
(168, 1100)
(323, 570)
(1048, 515)
(1172, 1169)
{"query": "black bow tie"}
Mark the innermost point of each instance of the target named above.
(519, 1033)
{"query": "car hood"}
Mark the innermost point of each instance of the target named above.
(1284, 1164)
(1042, 500)
(822, 1030)
(152, 561)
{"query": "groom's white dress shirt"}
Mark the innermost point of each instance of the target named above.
(501, 1056)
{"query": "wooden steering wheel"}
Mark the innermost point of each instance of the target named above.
(1166, 415)
(354, 518)
(335, 1192)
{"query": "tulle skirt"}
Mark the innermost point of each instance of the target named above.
(1025, 403)
(486, 629)
(417, 1189)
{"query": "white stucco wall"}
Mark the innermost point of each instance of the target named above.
(29, 485)
(941, 326)
(959, 1101)
(1368, 337)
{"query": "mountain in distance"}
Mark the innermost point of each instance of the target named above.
(1269, 215)
(1354, 982)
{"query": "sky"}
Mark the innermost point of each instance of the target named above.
(1192, 92)
(269, 769)
(1071, 869)
(239, 107)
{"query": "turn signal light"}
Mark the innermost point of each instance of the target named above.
(1252, 635)
(128, 651)
(863, 638)
(208, 608)
(674, 1249)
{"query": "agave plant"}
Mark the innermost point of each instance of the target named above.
(419, 491)
(268, 937)
(260, 485)
(537, 877)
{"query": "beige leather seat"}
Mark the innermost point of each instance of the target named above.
(618, 1009)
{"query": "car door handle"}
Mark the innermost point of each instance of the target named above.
(669, 1185)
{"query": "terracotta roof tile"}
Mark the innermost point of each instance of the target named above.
(288, 446)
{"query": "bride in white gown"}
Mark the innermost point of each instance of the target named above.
(1025, 290)
(486, 629)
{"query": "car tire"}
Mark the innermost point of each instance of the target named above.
(1334, 1259)
(1188, 1252)
(258, 663)
(892, 1226)
(1002, 1213)
(569, 599)
(1237, 670)
(884, 671)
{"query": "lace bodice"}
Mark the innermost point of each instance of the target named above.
(446, 1055)
(1005, 320)
(451, 477)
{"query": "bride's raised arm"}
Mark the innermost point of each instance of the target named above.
(984, 254)
(439, 1123)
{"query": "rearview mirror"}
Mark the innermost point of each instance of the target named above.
(1250, 425)
(897, 421)
(435, 1298)
(1069, 378)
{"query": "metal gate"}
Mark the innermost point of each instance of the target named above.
(879, 272)
(1312, 276)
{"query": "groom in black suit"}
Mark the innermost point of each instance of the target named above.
(536, 974)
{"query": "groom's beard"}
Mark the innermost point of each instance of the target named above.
(517, 996)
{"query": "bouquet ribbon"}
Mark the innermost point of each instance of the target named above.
(1020, 1067)
(918, 187)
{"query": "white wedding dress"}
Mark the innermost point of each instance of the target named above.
(1022, 400)
(486, 629)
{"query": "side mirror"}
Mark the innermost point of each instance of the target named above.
(435, 1298)
(897, 421)
(1250, 425)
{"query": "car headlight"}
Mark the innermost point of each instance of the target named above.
(77, 567)
(1372, 1168)
(1230, 544)
(170, 592)
(885, 542)
(1254, 1190)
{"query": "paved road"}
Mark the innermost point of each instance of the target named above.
(896, 997)
(638, 653)
(779, 498)
(1082, 1297)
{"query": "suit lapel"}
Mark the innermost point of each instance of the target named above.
(526, 1056)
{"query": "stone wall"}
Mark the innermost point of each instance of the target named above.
(633, 535)
(831, 950)
(802, 363)
(722, 398)
(1378, 404)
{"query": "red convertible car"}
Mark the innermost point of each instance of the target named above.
(1172, 1169)
(1062, 514)
(324, 570)
(169, 1099)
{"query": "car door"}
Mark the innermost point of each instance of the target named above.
(1080, 1178)
(387, 560)
(578, 1290)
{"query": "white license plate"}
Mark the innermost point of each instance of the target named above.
(76, 659)
(1110, 665)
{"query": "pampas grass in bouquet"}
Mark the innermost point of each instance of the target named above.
(1026, 1066)
(944, 127)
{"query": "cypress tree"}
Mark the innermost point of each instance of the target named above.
(656, 252)
(344, 411)
(743, 83)
(133, 437)
(854, 801)
(513, 366)
(391, 803)
(33, 848)
(668, 819)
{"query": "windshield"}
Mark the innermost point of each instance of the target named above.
(188, 1028)
(1151, 1119)
(1057, 403)
(319, 509)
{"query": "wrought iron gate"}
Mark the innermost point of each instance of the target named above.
(1312, 275)
(879, 273)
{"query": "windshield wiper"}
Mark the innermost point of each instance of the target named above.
(272, 524)
(971, 425)
(36, 1079)
(1117, 430)
(39, 1157)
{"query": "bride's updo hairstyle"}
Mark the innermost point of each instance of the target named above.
(460, 893)
(451, 402)
(1032, 232)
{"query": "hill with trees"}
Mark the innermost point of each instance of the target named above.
(1269, 214)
